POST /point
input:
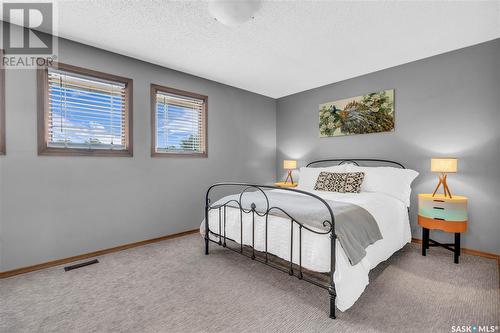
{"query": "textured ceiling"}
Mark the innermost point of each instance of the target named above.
(290, 46)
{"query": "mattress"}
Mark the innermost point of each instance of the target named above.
(350, 281)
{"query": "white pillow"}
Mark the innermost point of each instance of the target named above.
(308, 176)
(395, 182)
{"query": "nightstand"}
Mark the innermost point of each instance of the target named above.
(443, 213)
(283, 184)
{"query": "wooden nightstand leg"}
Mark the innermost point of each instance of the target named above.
(457, 247)
(425, 241)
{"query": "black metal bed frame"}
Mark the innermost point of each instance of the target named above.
(329, 224)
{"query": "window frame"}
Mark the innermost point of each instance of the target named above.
(43, 108)
(158, 88)
(3, 150)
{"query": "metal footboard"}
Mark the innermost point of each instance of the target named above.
(264, 213)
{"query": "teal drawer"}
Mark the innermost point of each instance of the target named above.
(437, 212)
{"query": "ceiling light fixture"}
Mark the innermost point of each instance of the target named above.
(233, 12)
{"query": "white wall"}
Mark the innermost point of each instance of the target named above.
(56, 207)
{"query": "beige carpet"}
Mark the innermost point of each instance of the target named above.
(172, 287)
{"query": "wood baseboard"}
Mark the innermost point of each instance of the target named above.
(468, 251)
(58, 262)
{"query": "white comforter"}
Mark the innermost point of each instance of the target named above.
(350, 281)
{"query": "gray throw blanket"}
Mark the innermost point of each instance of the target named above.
(355, 227)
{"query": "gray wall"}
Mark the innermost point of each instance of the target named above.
(55, 207)
(447, 105)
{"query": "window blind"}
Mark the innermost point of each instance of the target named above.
(85, 112)
(179, 124)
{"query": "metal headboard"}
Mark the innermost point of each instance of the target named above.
(355, 161)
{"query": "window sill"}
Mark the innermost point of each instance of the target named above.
(167, 154)
(83, 152)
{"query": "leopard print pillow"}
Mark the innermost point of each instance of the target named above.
(353, 182)
(339, 182)
(331, 182)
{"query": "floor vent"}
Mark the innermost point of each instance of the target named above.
(82, 264)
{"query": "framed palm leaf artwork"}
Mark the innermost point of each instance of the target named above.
(370, 113)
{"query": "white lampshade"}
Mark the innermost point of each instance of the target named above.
(289, 164)
(446, 165)
(233, 12)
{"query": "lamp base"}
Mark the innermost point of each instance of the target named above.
(442, 182)
(289, 176)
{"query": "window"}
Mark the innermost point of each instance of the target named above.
(179, 123)
(2, 108)
(84, 112)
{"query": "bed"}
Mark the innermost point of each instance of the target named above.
(267, 222)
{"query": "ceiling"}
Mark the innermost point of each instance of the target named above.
(290, 46)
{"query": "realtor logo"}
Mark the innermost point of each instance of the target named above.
(28, 41)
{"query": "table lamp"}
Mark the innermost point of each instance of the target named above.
(289, 165)
(443, 166)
